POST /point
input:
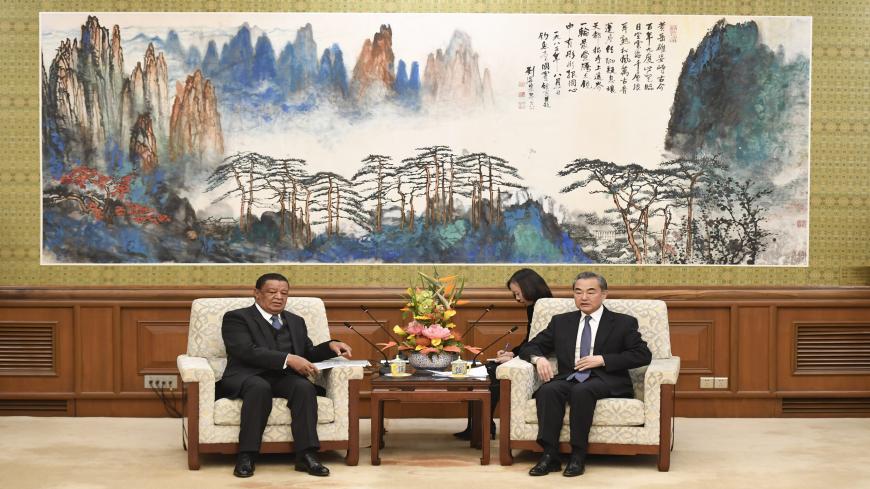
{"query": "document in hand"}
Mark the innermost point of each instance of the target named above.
(341, 362)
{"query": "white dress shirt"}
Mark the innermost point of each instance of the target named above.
(268, 315)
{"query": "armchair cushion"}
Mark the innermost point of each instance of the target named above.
(608, 412)
(228, 412)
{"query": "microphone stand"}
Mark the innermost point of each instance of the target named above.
(476, 321)
(474, 359)
(385, 364)
(381, 324)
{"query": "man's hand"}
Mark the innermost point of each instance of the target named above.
(545, 370)
(589, 362)
(340, 349)
(503, 356)
(301, 365)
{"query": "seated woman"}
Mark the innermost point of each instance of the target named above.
(527, 287)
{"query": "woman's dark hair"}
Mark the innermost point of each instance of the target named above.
(532, 285)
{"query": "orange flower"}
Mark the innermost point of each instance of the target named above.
(423, 341)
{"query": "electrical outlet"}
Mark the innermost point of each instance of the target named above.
(720, 382)
(706, 382)
(166, 382)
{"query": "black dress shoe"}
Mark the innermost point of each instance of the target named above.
(307, 462)
(548, 463)
(464, 434)
(244, 465)
(575, 467)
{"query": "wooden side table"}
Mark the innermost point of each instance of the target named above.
(426, 388)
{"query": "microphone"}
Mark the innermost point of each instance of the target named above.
(485, 312)
(385, 366)
(381, 324)
(473, 360)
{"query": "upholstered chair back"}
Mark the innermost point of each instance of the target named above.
(652, 319)
(206, 316)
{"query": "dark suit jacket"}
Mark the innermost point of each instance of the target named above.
(251, 347)
(618, 341)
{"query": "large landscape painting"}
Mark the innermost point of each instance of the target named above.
(424, 138)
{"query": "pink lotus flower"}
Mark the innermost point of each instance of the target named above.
(436, 331)
(414, 328)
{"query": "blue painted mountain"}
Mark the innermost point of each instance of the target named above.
(237, 60)
(248, 74)
(173, 44)
(407, 87)
(738, 98)
(211, 63)
(332, 76)
(264, 60)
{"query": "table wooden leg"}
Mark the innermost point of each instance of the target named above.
(484, 429)
(383, 425)
(377, 421)
(477, 430)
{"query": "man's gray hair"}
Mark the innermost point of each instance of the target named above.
(602, 282)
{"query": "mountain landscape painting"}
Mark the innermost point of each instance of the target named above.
(216, 138)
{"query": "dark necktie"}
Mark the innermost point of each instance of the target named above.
(276, 322)
(585, 348)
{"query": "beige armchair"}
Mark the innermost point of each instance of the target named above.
(213, 426)
(619, 426)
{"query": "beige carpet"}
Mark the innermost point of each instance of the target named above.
(126, 453)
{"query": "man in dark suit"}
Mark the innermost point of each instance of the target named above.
(270, 355)
(594, 349)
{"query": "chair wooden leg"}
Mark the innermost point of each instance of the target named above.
(352, 457)
(504, 421)
(192, 409)
(665, 422)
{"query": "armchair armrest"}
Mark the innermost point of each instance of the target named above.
(195, 369)
(661, 371)
(523, 378)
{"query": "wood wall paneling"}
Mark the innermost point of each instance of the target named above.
(151, 339)
(106, 340)
(96, 350)
(700, 336)
(753, 354)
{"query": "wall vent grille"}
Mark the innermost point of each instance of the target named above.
(827, 406)
(27, 347)
(32, 407)
(832, 347)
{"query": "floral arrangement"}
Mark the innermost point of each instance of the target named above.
(429, 311)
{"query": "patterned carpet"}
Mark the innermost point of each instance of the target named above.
(129, 453)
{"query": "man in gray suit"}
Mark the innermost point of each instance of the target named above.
(270, 355)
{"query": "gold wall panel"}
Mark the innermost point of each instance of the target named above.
(840, 143)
